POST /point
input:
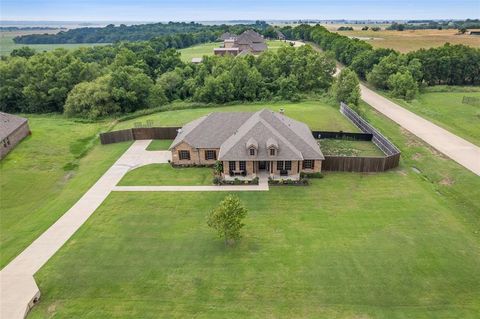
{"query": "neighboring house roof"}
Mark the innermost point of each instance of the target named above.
(258, 47)
(235, 132)
(9, 123)
(227, 35)
(280, 35)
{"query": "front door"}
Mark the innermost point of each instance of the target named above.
(262, 165)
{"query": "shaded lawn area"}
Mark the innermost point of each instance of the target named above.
(159, 145)
(399, 244)
(318, 114)
(349, 148)
(447, 110)
(165, 174)
(46, 174)
(349, 245)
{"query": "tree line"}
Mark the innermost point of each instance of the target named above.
(195, 33)
(125, 77)
(402, 74)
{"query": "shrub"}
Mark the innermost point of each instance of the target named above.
(217, 180)
(311, 175)
(227, 218)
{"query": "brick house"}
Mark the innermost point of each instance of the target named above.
(12, 130)
(247, 42)
(249, 144)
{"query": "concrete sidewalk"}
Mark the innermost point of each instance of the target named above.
(458, 149)
(18, 289)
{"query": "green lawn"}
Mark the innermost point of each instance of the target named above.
(159, 145)
(45, 175)
(447, 110)
(349, 148)
(165, 174)
(400, 244)
(7, 45)
(319, 115)
(200, 50)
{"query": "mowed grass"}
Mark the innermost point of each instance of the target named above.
(400, 244)
(165, 174)
(200, 50)
(159, 145)
(45, 175)
(349, 148)
(443, 106)
(319, 115)
(410, 40)
(7, 45)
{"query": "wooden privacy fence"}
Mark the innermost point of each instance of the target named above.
(145, 133)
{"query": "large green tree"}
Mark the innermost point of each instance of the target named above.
(346, 88)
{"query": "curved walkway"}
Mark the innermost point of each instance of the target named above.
(458, 149)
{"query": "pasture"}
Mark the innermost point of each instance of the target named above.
(410, 40)
(400, 244)
(7, 45)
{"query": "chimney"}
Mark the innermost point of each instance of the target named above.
(282, 111)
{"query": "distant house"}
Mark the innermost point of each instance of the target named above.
(227, 35)
(280, 35)
(249, 41)
(13, 129)
(474, 32)
(249, 144)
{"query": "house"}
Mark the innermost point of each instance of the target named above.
(227, 35)
(249, 144)
(248, 42)
(280, 35)
(12, 130)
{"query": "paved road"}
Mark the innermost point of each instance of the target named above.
(458, 149)
(17, 285)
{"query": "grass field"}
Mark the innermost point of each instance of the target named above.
(165, 174)
(400, 244)
(443, 106)
(7, 45)
(410, 40)
(319, 115)
(45, 175)
(200, 50)
(349, 148)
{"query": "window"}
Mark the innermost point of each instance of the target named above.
(210, 155)
(242, 165)
(308, 164)
(288, 165)
(232, 165)
(184, 155)
(252, 152)
(272, 152)
(280, 165)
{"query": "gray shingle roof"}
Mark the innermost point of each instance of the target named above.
(9, 123)
(234, 132)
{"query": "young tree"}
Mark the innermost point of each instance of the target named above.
(347, 87)
(227, 218)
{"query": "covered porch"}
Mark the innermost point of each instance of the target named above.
(247, 170)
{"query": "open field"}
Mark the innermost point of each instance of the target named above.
(443, 106)
(165, 174)
(319, 115)
(400, 244)
(45, 175)
(200, 50)
(410, 40)
(7, 45)
(349, 148)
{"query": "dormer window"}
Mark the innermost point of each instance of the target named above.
(252, 151)
(252, 146)
(272, 151)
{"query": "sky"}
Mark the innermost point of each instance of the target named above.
(211, 10)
